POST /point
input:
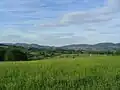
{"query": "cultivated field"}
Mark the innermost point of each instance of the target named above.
(80, 73)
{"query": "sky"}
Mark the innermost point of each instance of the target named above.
(59, 22)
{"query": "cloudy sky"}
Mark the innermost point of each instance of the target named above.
(59, 22)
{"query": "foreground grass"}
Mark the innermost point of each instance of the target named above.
(82, 73)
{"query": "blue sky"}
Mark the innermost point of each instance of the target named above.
(59, 22)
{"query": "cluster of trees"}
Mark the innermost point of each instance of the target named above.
(116, 52)
(12, 54)
(22, 54)
(48, 53)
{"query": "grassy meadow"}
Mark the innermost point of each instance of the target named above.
(80, 73)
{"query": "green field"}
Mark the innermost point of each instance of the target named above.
(80, 73)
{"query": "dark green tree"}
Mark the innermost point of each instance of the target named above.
(2, 53)
(15, 55)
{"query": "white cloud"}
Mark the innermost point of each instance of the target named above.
(52, 25)
(43, 38)
(102, 14)
(113, 4)
(98, 15)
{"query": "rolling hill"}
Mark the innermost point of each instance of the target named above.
(99, 46)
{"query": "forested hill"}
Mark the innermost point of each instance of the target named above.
(99, 46)
(23, 51)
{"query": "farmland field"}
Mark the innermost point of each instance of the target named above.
(82, 73)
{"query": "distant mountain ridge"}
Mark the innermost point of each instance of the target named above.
(25, 45)
(99, 46)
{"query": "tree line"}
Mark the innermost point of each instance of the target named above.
(15, 53)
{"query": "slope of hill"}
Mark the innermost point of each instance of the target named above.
(25, 45)
(99, 46)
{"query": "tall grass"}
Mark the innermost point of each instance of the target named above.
(82, 73)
